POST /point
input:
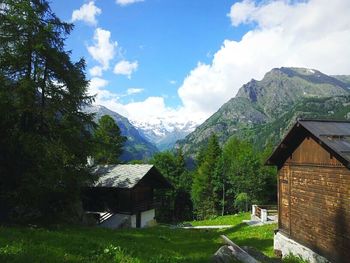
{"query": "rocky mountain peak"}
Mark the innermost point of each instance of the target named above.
(262, 109)
(283, 86)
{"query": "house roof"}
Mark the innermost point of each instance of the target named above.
(129, 175)
(332, 135)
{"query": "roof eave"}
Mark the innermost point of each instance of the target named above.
(274, 161)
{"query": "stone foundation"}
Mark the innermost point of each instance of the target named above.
(125, 221)
(285, 246)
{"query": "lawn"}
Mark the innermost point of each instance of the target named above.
(157, 244)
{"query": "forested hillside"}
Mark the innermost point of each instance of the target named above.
(262, 111)
(136, 147)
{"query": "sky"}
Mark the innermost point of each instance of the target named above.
(180, 60)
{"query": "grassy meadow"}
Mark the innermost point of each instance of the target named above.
(157, 244)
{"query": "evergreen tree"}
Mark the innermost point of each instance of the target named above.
(183, 207)
(177, 203)
(109, 142)
(246, 175)
(220, 185)
(230, 180)
(44, 139)
(203, 194)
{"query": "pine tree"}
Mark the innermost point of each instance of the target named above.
(246, 176)
(109, 141)
(203, 193)
(177, 205)
(44, 133)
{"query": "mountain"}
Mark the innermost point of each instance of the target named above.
(262, 111)
(136, 146)
(343, 78)
(164, 133)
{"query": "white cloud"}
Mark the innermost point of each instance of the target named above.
(103, 49)
(96, 71)
(172, 82)
(313, 34)
(151, 110)
(127, 2)
(132, 91)
(87, 13)
(240, 12)
(97, 87)
(126, 68)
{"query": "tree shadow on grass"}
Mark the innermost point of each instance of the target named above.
(174, 245)
(236, 228)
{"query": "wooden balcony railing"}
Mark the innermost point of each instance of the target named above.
(263, 212)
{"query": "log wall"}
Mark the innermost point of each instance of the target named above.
(314, 201)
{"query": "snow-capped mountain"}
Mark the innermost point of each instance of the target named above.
(164, 133)
(137, 147)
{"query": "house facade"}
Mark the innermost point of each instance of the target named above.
(313, 163)
(123, 195)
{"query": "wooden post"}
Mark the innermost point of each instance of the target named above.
(253, 210)
(263, 215)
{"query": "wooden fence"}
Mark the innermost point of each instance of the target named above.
(264, 211)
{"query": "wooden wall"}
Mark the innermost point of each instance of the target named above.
(314, 201)
(142, 193)
(101, 199)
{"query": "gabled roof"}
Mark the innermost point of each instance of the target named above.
(129, 175)
(332, 135)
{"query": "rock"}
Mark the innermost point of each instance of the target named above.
(224, 255)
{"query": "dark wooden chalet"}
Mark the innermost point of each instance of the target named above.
(125, 189)
(313, 163)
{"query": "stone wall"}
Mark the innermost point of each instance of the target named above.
(147, 216)
(117, 221)
(286, 246)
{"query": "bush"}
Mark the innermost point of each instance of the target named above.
(242, 202)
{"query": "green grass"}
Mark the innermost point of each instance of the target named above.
(259, 237)
(158, 244)
(223, 220)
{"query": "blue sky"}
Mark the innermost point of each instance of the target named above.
(167, 38)
(180, 60)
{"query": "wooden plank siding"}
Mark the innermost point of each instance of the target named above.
(310, 152)
(314, 201)
(284, 217)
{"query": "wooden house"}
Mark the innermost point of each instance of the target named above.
(124, 194)
(313, 163)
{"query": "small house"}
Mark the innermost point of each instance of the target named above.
(123, 195)
(313, 162)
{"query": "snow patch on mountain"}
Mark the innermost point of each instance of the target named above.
(164, 133)
(161, 132)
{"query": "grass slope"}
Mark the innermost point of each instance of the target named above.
(260, 237)
(158, 244)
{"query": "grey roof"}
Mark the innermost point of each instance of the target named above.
(331, 134)
(121, 175)
(334, 134)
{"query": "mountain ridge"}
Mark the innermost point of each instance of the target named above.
(164, 134)
(136, 147)
(282, 92)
